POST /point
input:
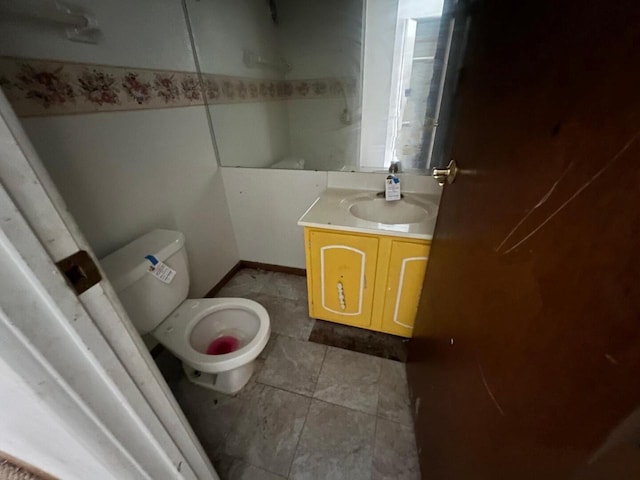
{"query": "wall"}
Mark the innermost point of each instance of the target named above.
(266, 204)
(254, 134)
(123, 173)
(141, 33)
(323, 40)
(318, 137)
(322, 43)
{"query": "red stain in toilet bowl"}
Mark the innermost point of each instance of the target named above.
(222, 345)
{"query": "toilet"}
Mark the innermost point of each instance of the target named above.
(217, 339)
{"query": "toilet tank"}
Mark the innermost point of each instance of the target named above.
(148, 300)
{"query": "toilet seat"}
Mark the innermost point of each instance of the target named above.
(175, 333)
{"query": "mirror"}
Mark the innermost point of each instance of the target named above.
(332, 85)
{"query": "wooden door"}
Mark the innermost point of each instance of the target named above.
(407, 266)
(342, 276)
(525, 362)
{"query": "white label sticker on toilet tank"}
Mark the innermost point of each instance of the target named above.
(159, 270)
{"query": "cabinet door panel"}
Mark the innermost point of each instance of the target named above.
(407, 267)
(342, 277)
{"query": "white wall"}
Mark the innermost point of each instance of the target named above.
(266, 205)
(318, 136)
(247, 134)
(319, 40)
(123, 173)
(251, 134)
(223, 29)
(323, 40)
(140, 33)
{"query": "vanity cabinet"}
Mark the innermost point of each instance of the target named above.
(368, 281)
(341, 271)
(407, 267)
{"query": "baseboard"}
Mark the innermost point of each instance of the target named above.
(257, 265)
(228, 276)
(274, 268)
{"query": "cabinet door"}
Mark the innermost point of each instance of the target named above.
(407, 266)
(342, 277)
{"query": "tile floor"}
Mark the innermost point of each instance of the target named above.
(310, 411)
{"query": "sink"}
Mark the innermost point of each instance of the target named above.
(366, 211)
(404, 211)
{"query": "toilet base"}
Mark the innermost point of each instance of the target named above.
(229, 382)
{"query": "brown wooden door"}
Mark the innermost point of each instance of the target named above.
(525, 362)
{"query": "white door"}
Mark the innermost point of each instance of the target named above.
(74, 362)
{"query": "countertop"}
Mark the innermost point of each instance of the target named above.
(331, 211)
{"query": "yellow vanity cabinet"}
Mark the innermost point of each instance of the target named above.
(341, 272)
(365, 280)
(407, 266)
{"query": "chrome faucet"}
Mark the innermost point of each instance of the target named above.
(382, 194)
(395, 166)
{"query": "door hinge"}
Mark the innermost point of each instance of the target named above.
(80, 271)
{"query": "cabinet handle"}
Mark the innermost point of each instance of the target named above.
(343, 304)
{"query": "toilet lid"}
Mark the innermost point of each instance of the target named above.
(174, 333)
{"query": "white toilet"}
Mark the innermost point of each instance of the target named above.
(217, 339)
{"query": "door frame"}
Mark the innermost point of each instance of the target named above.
(92, 338)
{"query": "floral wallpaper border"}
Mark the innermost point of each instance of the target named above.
(48, 87)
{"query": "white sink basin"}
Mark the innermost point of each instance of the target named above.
(363, 211)
(405, 211)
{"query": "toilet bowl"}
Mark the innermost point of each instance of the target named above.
(217, 339)
(197, 324)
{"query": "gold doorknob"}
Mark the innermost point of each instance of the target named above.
(445, 175)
